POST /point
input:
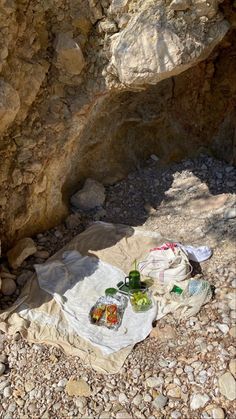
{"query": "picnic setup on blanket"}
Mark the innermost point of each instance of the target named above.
(99, 295)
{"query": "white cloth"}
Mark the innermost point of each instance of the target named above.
(197, 254)
(76, 283)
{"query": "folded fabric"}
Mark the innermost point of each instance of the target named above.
(76, 282)
(197, 254)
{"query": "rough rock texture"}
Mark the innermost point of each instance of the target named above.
(82, 94)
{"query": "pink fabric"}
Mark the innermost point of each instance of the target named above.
(165, 246)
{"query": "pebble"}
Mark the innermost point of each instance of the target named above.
(7, 392)
(3, 359)
(147, 398)
(198, 400)
(81, 402)
(137, 400)
(123, 398)
(227, 386)
(215, 412)
(123, 414)
(8, 286)
(2, 369)
(160, 401)
(224, 328)
(78, 388)
(154, 381)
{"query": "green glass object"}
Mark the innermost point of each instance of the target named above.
(133, 280)
(110, 291)
(177, 290)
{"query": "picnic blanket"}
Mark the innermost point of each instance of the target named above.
(40, 318)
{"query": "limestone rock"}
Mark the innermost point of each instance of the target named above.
(91, 196)
(227, 386)
(78, 388)
(8, 286)
(9, 105)
(22, 249)
(180, 4)
(149, 50)
(198, 400)
(69, 54)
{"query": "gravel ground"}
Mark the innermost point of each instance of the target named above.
(175, 372)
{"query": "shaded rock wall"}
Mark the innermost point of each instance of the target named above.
(90, 88)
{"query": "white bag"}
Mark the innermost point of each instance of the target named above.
(167, 266)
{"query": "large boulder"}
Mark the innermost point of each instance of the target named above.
(154, 46)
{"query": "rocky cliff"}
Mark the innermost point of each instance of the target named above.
(92, 87)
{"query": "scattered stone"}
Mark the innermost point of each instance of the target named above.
(230, 213)
(2, 369)
(154, 381)
(232, 367)
(154, 157)
(78, 388)
(215, 412)
(123, 398)
(198, 400)
(23, 249)
(29, 386)
(179, 5)
(160, 401)
(232, 332)
(73, 221)
(42, 254)
(81, 402)
(8, 286)
(7, 392)
(174, 391)
(137, 400)
(91, 196)
(123, 414)
(227, 386)
(224, 328)
(165, 333)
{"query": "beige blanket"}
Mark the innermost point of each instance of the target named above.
(38, 317)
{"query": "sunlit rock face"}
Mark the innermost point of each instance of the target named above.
(92, 88)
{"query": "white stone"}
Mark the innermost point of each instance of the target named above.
(137, 400)
(149, 50)
(160, 401)
(224, 328)
(7, 392)
(154, 381)
(198, 400)
(123, 398)
(227, 386)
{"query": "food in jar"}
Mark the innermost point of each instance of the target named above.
(140, 301)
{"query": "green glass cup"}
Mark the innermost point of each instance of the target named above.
(133, 280)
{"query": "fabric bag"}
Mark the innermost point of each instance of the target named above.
(167, 264)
